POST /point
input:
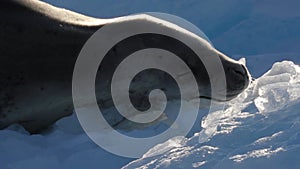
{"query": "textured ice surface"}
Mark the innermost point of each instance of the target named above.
(259, 128)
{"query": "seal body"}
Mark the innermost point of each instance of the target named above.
(39, 45)
(38, 54)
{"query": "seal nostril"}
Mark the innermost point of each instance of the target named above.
(239, 72)
(242, 70)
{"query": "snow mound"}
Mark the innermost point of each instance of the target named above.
(259, 128)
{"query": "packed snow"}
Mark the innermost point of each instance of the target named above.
(258, 129)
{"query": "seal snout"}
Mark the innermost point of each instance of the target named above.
(237, 79)
(239, 76)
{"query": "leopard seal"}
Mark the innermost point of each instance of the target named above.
(39, 47)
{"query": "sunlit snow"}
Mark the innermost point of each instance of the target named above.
(262, 123)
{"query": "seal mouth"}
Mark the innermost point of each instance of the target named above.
(210, 98)
(228, 98)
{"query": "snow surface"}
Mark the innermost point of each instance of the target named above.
(247, 27)
(259, 129)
